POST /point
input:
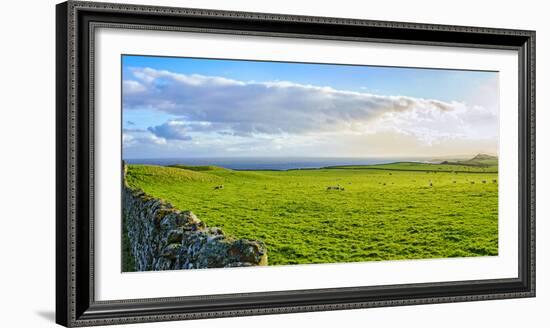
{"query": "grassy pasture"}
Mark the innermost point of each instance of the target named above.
(385, 212)
(415, 166)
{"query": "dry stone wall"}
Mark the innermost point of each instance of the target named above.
(164, 238)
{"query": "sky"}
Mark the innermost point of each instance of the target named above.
(190, 107)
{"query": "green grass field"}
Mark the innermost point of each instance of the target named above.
(385, 212)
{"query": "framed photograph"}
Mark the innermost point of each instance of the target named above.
(214, 163)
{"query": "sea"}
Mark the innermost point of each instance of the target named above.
(270, 163)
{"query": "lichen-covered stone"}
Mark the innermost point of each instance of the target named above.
(164, 238)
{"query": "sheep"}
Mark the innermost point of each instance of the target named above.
(218, 187)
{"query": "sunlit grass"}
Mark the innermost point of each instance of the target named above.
(385, 212)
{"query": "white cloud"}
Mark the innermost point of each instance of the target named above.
(282, 111)
(130, 87)
(264, 107)
(133, 137)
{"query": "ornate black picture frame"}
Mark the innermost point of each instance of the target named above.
(75, 301)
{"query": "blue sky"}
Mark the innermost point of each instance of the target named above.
(186, 107)
(445, 85)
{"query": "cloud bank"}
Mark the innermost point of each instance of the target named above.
(204, 106)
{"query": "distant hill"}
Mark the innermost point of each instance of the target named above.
(481, 160)
(482, 157)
